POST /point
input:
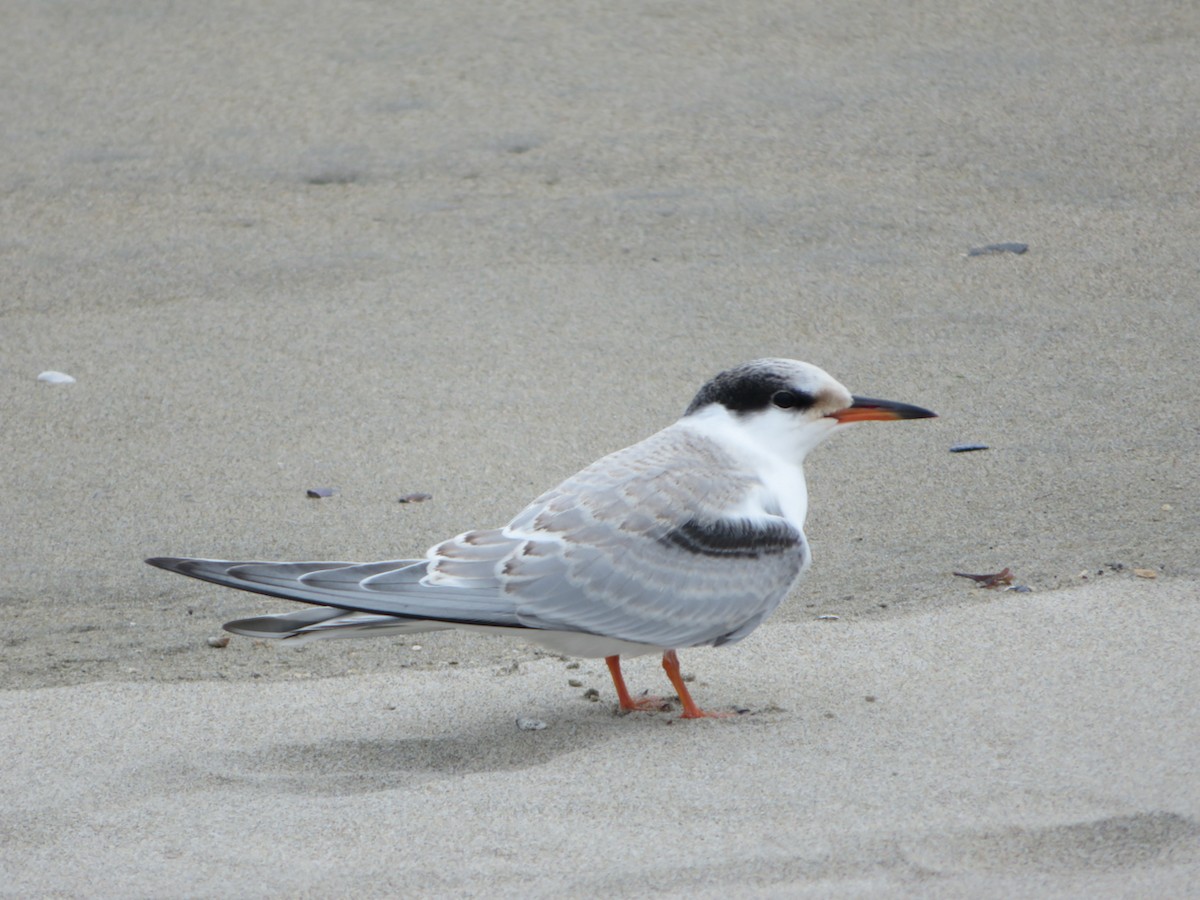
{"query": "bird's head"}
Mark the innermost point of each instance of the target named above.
(788, 407)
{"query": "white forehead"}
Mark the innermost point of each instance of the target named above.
(800, 374)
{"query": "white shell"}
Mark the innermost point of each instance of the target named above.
(56, 377)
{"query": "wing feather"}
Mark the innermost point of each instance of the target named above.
(642, 546)
(409, 598)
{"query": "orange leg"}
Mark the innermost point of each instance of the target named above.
(690, 710)
(626, 701)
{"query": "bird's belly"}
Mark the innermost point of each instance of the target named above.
(587, 646)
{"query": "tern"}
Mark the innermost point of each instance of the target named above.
(689, 538)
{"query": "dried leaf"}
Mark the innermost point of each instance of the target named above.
(996, 579)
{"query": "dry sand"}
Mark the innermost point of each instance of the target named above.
(467, 248)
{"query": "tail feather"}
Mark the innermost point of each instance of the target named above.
(326, 622)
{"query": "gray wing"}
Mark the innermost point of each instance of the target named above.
(392, 588)
(640, 546)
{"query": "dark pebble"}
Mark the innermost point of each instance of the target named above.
(967, 448)
(989, 249)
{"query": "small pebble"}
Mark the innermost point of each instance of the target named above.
(828, 618)
(1005, 247)
(967, 448)
(574, 682)
(530, 724)
(318, 493)
(591, 694)
(222, 641)
(1145, 573)
(1020, 588)
(53, 377)
(415, 498)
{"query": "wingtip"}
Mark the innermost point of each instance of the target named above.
(170, 563)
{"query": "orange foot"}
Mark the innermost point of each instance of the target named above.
(645, 703)
(670, 663)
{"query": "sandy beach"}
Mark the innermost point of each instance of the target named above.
(465, 249)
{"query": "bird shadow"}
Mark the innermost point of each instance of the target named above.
(358, 766)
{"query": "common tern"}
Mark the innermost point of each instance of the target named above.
(689, 538)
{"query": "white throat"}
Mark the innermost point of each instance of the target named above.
(770, 445)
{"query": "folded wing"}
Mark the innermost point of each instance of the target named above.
(392, 588)
(661, 543)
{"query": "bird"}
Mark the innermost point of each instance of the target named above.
(688, 538)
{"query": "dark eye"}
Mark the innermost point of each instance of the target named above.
(785, 399)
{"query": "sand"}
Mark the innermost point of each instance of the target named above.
(465, 249)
